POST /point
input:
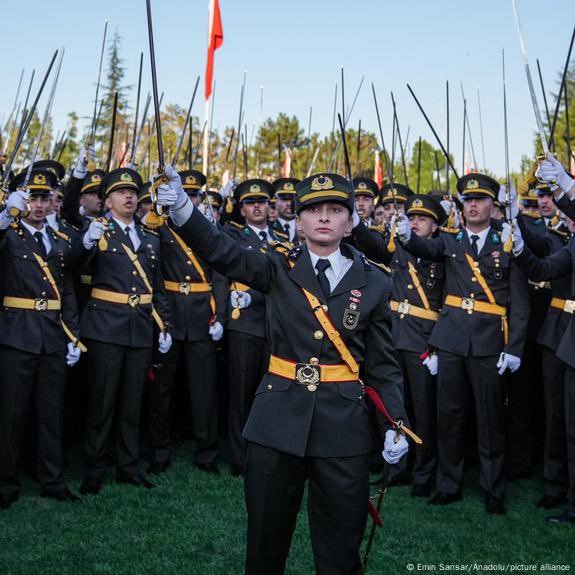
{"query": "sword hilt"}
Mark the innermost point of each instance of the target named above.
(157, 181)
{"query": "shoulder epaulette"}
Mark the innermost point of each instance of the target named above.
(67, 224)
(280, 247)
(147, 230)
(281, 235)
(560, 233)
(294, 253)
(61, 235)
(378, 265)
(449, 230)
(236, 225)
(380, 229)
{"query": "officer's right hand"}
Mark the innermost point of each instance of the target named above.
(432, 363)
(513, 206)
(507, 231)
(81, 166)
(227, 189)
(240, 299)
(172, 194)
(553, 173)
(94, 232)
(401, 223)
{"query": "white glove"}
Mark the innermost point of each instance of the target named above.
(93, 234)
(81, 167)
(355, 218)
(216, 331)
(432, 363)
(447, 206)
(172, 194)
(394, 449)
(164, 342)
(508, 361)
(513, 204)
(73, 355)
(518, 243)
(16, 200)
(240, 299)
(403, 226)
(553, 173)
(227, 189)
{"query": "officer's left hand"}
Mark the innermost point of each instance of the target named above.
(403, 227)
(73, 355)
(172, 194)
(394, 448)
(553, 173)
(216, 331)
(227, 189)
(164, 342)
(240, 299)
(448, 206)
(432, 363)
(508, 361)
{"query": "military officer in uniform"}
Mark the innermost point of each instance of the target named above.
(284, 193)
(309, 421)
(416, 299)
(366, 192)
(38, 323)
(392, 196)
(479, 335)
(126, 299)
(248, 354)
(198, 307)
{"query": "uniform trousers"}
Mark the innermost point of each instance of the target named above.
(338, 492)
(27, 379)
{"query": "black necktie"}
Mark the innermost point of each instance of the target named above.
(40, 240)
(287, 230)
(474, 239)
(264, 236)
(131, 243)
(322, 265)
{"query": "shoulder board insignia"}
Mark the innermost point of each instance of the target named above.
(379, 265)
(235, 224)
(146, 231)
(61, 235)
(281, 234)
(560, 233)
(294, 253)
(380, 229)
(449, 230)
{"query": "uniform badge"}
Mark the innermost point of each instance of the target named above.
(356, 293)
(495, 254)
(350, 319)
(352, 306)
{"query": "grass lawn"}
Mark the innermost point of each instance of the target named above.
(194, 523)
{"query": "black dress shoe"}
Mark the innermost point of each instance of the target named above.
(420, 490)
(566, 517)
(63, 495)
(442, 498)
(157, 467)
(90, 486)
(494, 506)
(208, 467)
(550, 501)
(237, 470)
(136, 480)
(7, 500)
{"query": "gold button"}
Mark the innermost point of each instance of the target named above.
(314, 360)
(44, 278)
(133, 289)
(324, 307)
(189, 262)
(25, 256)
(188, 278)
(473, 279)
(311, 387)
(409, 286)
(270, 386)
(113, 249)
(318, 334)
(43, 294)
(134, 273)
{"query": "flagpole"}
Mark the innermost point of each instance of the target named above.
(206, 132)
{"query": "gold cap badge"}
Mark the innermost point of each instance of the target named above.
(322, 183)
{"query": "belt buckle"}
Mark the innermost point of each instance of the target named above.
(308, 374)
(569, 306)
(467, 304)
(40, 304)
(403, 307)
(185, 288)
(134, 300)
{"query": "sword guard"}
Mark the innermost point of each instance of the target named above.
(160, 179)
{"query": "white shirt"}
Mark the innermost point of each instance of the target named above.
(482, 237)
(291, 224)
(338, 268)
(133, 233)
(257, 231)
(44, 233)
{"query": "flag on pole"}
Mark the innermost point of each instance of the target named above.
(286, 171)
(215, 40)
(378, 172)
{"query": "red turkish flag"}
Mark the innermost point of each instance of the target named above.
(215, 40)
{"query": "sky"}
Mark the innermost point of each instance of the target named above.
(296, 49)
